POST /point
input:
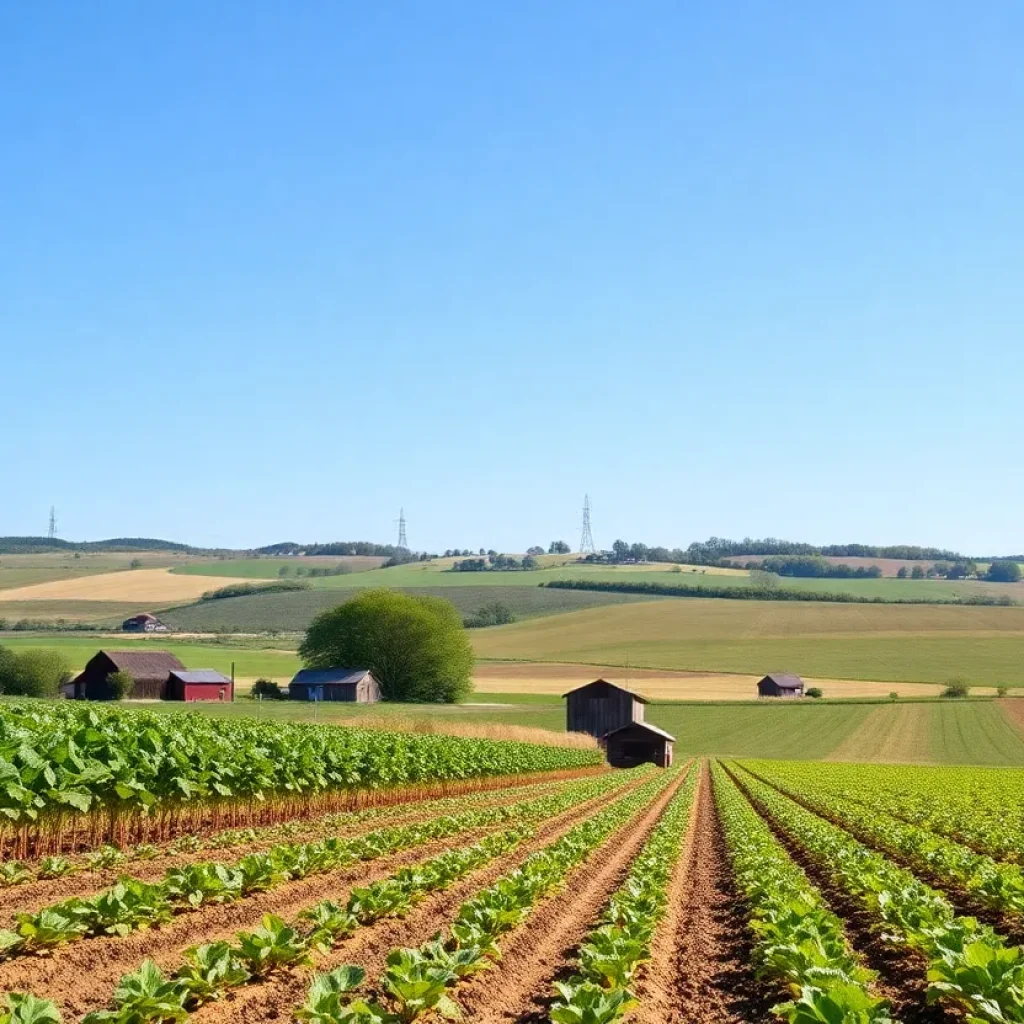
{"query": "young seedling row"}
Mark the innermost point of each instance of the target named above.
(730, 893)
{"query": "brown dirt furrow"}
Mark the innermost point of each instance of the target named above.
(81, 977)
(542, 949)
(32, 896)
(700, 968)
(902, 972)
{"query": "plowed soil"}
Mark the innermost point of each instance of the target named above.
(369, 947)
(32, 896)
(700, 969)
(82, 976)
(519, 988)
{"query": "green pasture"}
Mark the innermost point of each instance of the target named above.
(293, 610)
(270, 568)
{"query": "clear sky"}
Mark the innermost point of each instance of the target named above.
(271, 271)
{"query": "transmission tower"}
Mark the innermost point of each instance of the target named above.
(402, 540)
(53, 523)
(587, 546)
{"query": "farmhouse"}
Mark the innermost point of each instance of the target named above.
(143, 623)
(338, 684)
(150, 671)
(615, 716)
(776, 685)
(199, 684)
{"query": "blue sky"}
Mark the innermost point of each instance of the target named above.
(271, 271)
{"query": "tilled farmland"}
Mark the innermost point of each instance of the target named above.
(732, 891)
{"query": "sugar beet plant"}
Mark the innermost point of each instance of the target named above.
(610, 956)
(969, 964)
(132, 904)
(71, 772)
(417, 982)
(798, 940)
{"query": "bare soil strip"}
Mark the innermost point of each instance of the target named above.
(369, 947)
(82, 977)
(902, 973)
(519, 988)
(32, 896)
(701, 968)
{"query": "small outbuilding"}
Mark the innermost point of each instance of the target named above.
(615, 716)
(149, 670)
(143, 623)
(199, 684)
(353, 685)
(778, 685)
(639, 743)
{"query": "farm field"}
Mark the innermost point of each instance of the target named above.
(643, 895)
(270, 568)
(24, 570)
(154, 587)
(294, 610)
(898, 644)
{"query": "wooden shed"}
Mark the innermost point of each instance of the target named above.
(337, 684)
(199, 684)
(150, 671)
(779, 685)
(615, 716)
(639, 743)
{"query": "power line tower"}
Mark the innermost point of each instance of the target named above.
(403, 541)
(587, 546)
(53, 523)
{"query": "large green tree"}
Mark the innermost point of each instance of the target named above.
(416, 647)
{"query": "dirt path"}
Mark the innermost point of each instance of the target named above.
(32, 896)
(701, 969)
(542, 949)
(369, 947)
(902, 973)
(82, 976)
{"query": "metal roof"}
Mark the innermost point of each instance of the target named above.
(785, 682)
(645, 726)
(144, 664)
(330, 676)
(636, 696)
(201, 675)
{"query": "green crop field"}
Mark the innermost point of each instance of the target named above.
(293, 610)
(925, 732)
(270, 568)
(910, 643)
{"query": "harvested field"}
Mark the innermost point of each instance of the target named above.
(153, 587)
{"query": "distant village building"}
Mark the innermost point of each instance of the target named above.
(149, 670)
(776, 685)
(354, 685)
(615, 716)
(199, 684)
(144, 623)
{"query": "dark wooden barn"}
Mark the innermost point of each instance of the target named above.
(778, 685)
(337, 684)
(143, 623)
(199, 684)
(150, 671)
(639, 743)
(615, 716)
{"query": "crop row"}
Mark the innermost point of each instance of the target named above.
(969, 964)
(113, 773)
(609, 957)
(132, 904)
(998, 886)
(106, 858)
(980, 807)
(798, 940)
(418, 982)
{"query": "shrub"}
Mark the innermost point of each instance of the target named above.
(120, 684)
(1001, 691)
(815, 691)
(497, 613)
(957, 688)
(241, 589)
(267, 689)
(33, 673)
(1003, 570)
(894, 696)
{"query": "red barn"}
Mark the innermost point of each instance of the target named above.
(199, 684)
